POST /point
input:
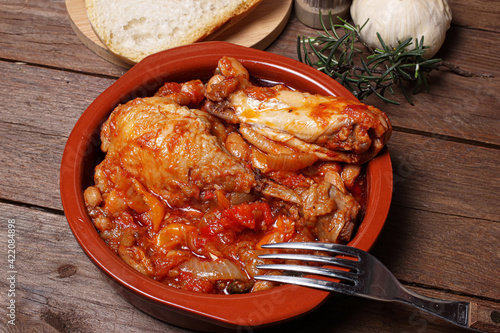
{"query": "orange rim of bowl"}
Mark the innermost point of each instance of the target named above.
(280, 303)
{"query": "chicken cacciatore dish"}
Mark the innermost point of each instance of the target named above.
(196, 178)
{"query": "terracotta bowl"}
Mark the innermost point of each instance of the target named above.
(189, 309)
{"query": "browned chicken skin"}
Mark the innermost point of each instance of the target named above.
(332, 128)
(170, 150)
(199, 176)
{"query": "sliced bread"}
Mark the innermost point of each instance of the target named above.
(134, 29)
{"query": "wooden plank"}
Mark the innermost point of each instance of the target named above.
(74, 297)
(479, 14)
(57, 287)
(31, 160)
(40, 32)
(30, 171)
(54, 109)
(444, 251)
(32, 140)
(469, 113)
(443, 176)
(351, 315)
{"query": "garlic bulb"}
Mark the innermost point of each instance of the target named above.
(397, 20)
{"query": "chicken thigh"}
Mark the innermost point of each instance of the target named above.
(169, 149)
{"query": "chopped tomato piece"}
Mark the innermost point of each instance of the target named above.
(249, 215)
(191, 283)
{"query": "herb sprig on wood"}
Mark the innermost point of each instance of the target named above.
(343, 57)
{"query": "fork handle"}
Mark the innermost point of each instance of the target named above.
(465, 314)
(452, 311)
(484, 318)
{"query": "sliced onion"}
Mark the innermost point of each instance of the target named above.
(222, 269)
(241, 197)
(290, 162)
(222, 201)
(262, 142)
(259, 160)
(282, 162)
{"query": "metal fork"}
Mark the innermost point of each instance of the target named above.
(358, 273)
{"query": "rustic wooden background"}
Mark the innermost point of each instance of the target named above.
(441, 237)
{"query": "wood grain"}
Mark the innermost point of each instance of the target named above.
(408, 243)
(480, 14)
(49, 300)
(484, 318)
(435, 174)
(41, 33)
(440, 238)
(35, 126)
(259, 29)
(60, 290)
(46, 121)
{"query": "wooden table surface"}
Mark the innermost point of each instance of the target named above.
(441, 237)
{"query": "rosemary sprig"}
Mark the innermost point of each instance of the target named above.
(340, 56)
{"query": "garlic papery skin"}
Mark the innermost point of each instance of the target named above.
(398, 20)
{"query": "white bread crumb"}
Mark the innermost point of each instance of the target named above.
(135, 29)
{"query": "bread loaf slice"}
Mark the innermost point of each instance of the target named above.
(134, 29)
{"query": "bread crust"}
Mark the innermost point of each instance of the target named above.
(132, 34)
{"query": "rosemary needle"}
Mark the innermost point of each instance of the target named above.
(339, 56)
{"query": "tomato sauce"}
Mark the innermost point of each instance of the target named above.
(212, 242)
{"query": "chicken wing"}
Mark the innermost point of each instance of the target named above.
(198, 177)
(332, 128)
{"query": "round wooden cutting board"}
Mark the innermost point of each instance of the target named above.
(258, 30)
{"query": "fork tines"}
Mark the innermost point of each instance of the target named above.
(345, 270)
(338, 249)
